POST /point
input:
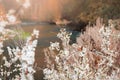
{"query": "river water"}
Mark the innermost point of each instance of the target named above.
(47, 34)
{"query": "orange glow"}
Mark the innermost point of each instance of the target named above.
(41, 10)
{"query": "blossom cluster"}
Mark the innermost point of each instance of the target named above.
(20, 61)
(95, 56)
(16, 63)
(65, 64)
(24, 3)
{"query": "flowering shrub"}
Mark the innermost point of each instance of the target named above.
(18, 63)
(95, 56)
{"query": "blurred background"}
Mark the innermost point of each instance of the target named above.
(71, 10)
(48, 16)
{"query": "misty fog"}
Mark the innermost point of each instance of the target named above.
(46, 10)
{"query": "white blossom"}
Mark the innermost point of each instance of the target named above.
(11, 18)
(35, 32)
(54, 46)
(2, 25)
(26, 4)
(7, 64)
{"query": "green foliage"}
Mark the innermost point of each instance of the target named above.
(22, 35)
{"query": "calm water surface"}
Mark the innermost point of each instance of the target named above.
(47, 34)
